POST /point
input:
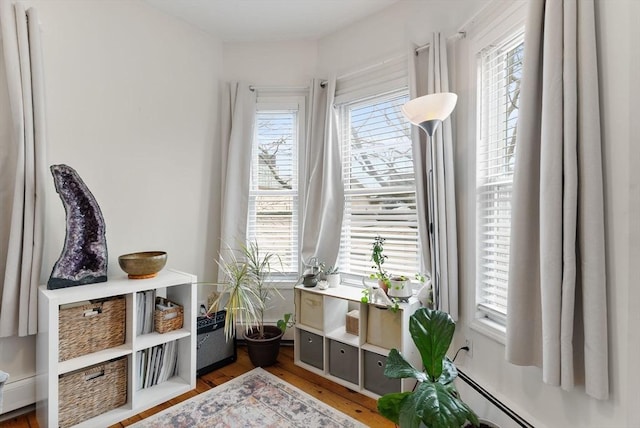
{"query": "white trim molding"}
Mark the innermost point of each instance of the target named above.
(18, 394)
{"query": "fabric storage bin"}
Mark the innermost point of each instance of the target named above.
(91, 326)
(168, 316)
(384, 327)
(311, 310)
(343, 361)
(91, 391)
(374, 378)
(311, 349)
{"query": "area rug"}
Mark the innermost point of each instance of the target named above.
(255, 399)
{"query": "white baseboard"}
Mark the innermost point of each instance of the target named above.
(19, 394)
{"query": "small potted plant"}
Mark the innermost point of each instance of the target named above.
(332, 275)
(399, 287)
(434, 402)
(248, 290)
(378, 258)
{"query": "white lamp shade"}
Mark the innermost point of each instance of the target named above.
(430, 107)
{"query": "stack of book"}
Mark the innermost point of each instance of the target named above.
(156, 364)
(145, 302)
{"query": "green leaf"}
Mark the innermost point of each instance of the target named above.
(389, 405)
(397, 367)
(284, 323)
(436, 405)
(449, 372)
(432, 332)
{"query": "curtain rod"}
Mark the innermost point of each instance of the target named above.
(457, 36)
(254, 88)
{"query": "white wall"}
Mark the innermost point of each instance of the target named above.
(287, 63)
(132, 105)
(388, 33)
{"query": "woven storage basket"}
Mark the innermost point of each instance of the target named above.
(168, 319)
(90, 328)
(92, 391)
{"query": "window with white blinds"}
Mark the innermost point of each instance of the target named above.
(380, 197)
(273, 196)
(500, 71)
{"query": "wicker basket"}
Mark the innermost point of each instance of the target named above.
(92, 391)
(168, 319)
(91, 327)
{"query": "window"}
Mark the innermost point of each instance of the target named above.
(380, 197)
(274, 197)
(500, 72)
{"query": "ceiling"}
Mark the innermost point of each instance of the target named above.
(270, 20)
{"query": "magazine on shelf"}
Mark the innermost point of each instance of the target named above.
(145, 304)
(156, 364)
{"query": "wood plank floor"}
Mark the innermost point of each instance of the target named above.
(358, 406)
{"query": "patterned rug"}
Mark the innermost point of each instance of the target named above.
(255, 399)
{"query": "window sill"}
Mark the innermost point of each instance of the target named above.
(490, 328)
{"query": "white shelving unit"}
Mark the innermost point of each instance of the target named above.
(323, 345)
(177, 286)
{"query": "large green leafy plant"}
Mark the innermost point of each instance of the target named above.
(435, 400)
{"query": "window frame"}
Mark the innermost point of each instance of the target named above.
(277, 101)
(381, 95)
(494, 26)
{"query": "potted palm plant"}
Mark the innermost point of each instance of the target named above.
(434, 402)
(247, 291)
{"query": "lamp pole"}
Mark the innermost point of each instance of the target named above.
(430, 127)
(428, 112)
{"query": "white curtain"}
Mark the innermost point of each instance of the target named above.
(557, 306)
(237, 121)
(428, 74)
(23, 170)
(324, 205)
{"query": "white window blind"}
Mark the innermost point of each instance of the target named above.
(379, 185)
(500, 68)
(273, 196)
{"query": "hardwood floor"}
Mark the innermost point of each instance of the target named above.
(358, 406)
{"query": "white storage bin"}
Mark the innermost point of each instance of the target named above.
(384, 327)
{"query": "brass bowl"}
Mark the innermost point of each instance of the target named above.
(143, 265)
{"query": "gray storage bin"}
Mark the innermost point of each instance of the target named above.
(343, 361)
(374, 378)
(311, 349)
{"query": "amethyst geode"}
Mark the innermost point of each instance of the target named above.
(84, 256)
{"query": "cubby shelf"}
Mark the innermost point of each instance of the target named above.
(177, 286)
(357, 360)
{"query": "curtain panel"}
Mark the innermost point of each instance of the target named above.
(324, 204)
(23, 169)
(428, 74)
(557, 306)
(237, 121)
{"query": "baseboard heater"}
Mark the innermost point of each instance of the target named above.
(493, 400)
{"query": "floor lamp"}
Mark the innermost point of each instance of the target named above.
(428, 112)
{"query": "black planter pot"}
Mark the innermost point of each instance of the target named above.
(264, 352)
